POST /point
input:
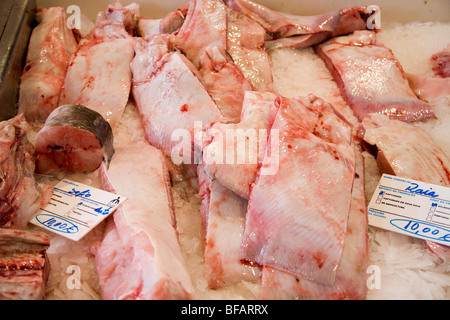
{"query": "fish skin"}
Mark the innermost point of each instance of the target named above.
(371, 79)
(74, 139)
(50, 47)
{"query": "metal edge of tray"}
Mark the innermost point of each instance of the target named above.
(17, 19)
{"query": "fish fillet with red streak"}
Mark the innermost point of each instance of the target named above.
(371, 79)
(245, 44)
(233, 159)
(223, 220)
(140, 256)
(168, 93)
(297, 218)
(50, 48)
(287, 30)
(99, 75)
(351, 276)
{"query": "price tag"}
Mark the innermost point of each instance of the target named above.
(411, 207)
(75, 209)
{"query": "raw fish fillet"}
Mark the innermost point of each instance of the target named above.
(24, 267)
(245, 44)
(371, 79)
(429, 88)
(234, 159)
(99, 75)
(223, 214)
(351, 276)
(224, 81)
(20, 195)
(171, 23)
(168, 93)
(203, 39)
(406, 150)
(73, 139)
(126, 15)
(287, 30)
(140, 257)
(297, 218)
(50, 47)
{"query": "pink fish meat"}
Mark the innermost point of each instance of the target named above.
(140, 256)
(24, 266)
(73, 139)
(168, 93)
(410, 152)
(20, 195)
(233, 153)
(50, 47)
(223, 214)
(297, 218)
(371, 79)
(99, 75)
(203, 39)
(287, 30)
(351, 276)
(441, 62)
(245, 44)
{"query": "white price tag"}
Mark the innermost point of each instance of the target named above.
(411, 207)
(75, 209)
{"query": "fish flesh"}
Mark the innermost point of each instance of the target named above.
(224, 81)
(99, 75)
(223, 218)
(24, 266)
(233, 153)
(205, 26)
(126, 15)
(140, 256)
(406, 150)
(74, 139)
(371, 79)
(287, 30)
(20, 194)
(429, 88)
(166, 85)
(50, 47)
(297, 218)
(171, 23)
(351, 276)
(203, 40)
(245, 44)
